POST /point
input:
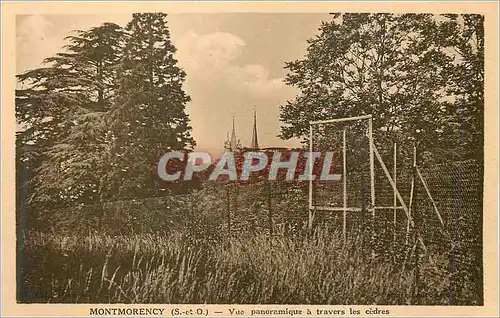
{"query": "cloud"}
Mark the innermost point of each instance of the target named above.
(35, 41)
(42, 36)
(219, 83)
(256, 79)
(221, 86)
(207, 53)
(212, 59)
(34, 26)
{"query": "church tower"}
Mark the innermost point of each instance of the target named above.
(232, 144)
(255, 141)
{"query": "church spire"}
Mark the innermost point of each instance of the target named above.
(234, 143)
(255, 141)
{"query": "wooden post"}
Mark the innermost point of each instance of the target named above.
(430, 197)
(394, 220)
(412, 189)
(270, 213)
(100, 217)
(344, 177)
(372, 167)
(314, 198)
(361, 218)
(412, 211)
(372, 177)
(119, 220)
(235, 199)
(311, 203)
(416, 280)
(192, 206)
(228, 211)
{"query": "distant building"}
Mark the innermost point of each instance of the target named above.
(233, 143)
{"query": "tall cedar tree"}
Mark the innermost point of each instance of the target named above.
(149, 117)
(394, 67)
(464, 34)
(62, 150)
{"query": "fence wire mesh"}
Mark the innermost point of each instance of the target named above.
(281, 208)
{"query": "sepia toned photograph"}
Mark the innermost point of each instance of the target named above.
(250, 158)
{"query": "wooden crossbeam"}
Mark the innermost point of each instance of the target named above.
(389, 207)
(336, 120)
(339, 209)
(430, 196)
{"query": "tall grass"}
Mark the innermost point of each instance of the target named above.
(153, 268)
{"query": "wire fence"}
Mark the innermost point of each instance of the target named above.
(282, 207)
(446, 206)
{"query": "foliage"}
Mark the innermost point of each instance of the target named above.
(401, 69)
(62, 110)
(98, 115)
(465, 35)
(149, 116)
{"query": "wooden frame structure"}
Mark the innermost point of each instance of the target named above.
(373, 153)
(417, 176)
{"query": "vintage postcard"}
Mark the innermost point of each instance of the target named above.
(249, 159)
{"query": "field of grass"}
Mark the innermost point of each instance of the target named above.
(155, 268)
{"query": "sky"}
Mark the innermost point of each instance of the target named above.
(234, 64)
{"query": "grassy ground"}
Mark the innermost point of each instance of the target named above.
(154, 268)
